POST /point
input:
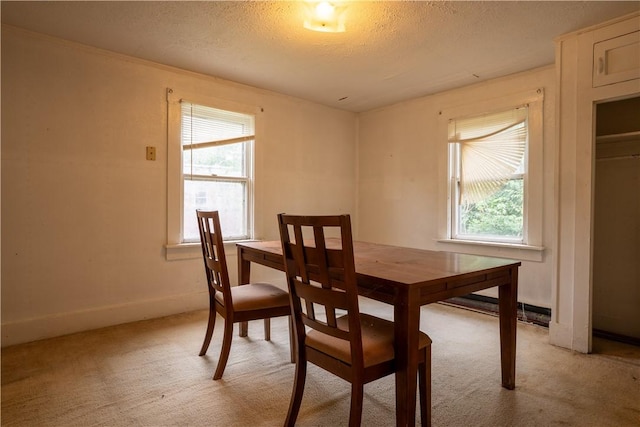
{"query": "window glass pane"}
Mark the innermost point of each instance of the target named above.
(225, 160)
(499, 215)
(226, 197)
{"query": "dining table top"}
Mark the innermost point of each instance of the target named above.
(403, 265)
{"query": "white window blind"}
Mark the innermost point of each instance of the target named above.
(205, 127)
(491, 150)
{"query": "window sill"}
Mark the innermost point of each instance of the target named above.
(194, 250)
(496, 249)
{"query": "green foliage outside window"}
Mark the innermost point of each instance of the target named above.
(501, 214)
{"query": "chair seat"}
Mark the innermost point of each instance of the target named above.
(256, 296)
(377, 340)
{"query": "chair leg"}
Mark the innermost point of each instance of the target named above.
(298, 391)
(424, 382)
(210, 325)
(243, 330)
(357, 397)
(224, 351)
(267, 329)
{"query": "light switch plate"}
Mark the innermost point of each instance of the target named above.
(151, 153)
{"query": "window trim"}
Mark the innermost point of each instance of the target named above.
(175, 247)
(533, 178)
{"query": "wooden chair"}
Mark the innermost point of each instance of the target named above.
(357, 347)
(238, 303)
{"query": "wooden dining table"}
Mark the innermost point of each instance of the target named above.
(408, 278)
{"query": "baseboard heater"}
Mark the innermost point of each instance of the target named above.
(526, 312)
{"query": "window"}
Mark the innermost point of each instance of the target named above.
(488, 154)
(216, 157)
(493, 185)
(210, 166)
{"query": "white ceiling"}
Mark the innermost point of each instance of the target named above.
(391, 50)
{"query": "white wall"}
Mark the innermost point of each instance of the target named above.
(401, 170)
(84, 214)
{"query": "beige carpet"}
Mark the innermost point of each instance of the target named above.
(149, 374)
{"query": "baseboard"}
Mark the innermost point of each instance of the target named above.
(526, 312)
(34, 329)
(612, 336)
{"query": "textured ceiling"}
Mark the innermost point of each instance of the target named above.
(391, 50)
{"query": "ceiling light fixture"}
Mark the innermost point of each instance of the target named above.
(324, 16)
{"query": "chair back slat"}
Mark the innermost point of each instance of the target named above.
(321, 277)
(215, 261)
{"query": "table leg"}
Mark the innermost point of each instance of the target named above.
(407, 325)
(244, 276)
(508, 311)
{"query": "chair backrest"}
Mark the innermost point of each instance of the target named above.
(321, 277)
(215, 262)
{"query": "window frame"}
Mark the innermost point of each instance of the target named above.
(531, 246)
(455, 172)
(177, 247)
